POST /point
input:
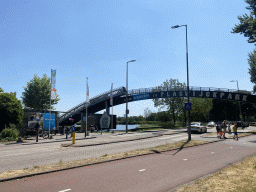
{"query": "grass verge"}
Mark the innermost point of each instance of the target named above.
(240, 177)
(62, 165)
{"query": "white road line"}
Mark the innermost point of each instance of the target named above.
(170, 137)
(231, 147)
(142, 170)
(15, 154)
(184, 159)
(212, 152)
(181, 138)
(65, 190)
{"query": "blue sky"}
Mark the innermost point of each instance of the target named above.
(95, 39)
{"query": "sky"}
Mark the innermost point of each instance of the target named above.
(96, 39)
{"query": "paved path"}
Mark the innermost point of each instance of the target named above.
(155, 172)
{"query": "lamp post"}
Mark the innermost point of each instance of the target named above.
(189, 129)
(238, 101)
(126, 112)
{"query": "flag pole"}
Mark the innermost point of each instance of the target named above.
(112, 106)
(86, 122)
(50, 105)
(87, 102)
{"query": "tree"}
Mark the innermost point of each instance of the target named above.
(1, 90)
(10, 110)
(175, 105)
(37, 94)
(200, 109)
(147, 112)
(163, 116)
(247, 27)
(252, 69)
(151, 117)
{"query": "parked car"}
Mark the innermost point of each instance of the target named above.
(211, 124)
(198, 127)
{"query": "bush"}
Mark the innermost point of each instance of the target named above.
(168, 124)
(10, 134)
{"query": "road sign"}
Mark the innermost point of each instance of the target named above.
(73, 128)
(105, 120)
(187, 106)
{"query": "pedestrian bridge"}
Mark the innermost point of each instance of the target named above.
(102, 101)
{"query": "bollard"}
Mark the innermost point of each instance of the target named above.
(74, 137)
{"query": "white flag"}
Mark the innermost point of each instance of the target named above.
(53, 82)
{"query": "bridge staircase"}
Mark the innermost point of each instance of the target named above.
(75, 112)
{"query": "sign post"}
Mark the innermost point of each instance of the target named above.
(105, 120)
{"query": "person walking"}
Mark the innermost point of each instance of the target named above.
(235, 131)
(224, 129)
(218, 129)
(229, 129)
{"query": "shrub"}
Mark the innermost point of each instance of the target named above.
(168, 124)
(10, 134)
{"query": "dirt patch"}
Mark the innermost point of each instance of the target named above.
(61, 165)
(240, 177)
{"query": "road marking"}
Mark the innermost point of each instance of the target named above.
(212, 152)
(181, 138)
(171, 136)
(231, 147)
(184, 159)
(244, 143)
(65, 190)
(142, 170)
(15, 154)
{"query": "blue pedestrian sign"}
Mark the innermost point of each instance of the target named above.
(187, 106)
(73, 128)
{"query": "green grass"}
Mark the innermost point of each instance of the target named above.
(149, 125)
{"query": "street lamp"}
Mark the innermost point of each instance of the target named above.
(126, 112)
(174, 27)
(238, 101)
(236, 84)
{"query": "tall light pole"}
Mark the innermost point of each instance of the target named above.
(126, 112)
(238, 101)
(174, 27)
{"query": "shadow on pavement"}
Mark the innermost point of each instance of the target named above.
(181, 148)
(155, 151)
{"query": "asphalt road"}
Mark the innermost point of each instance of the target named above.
(156, 172)
(19, 156)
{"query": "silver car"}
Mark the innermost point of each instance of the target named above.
(198, 127)
(211, 124)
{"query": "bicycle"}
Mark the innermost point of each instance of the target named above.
(68, 133)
